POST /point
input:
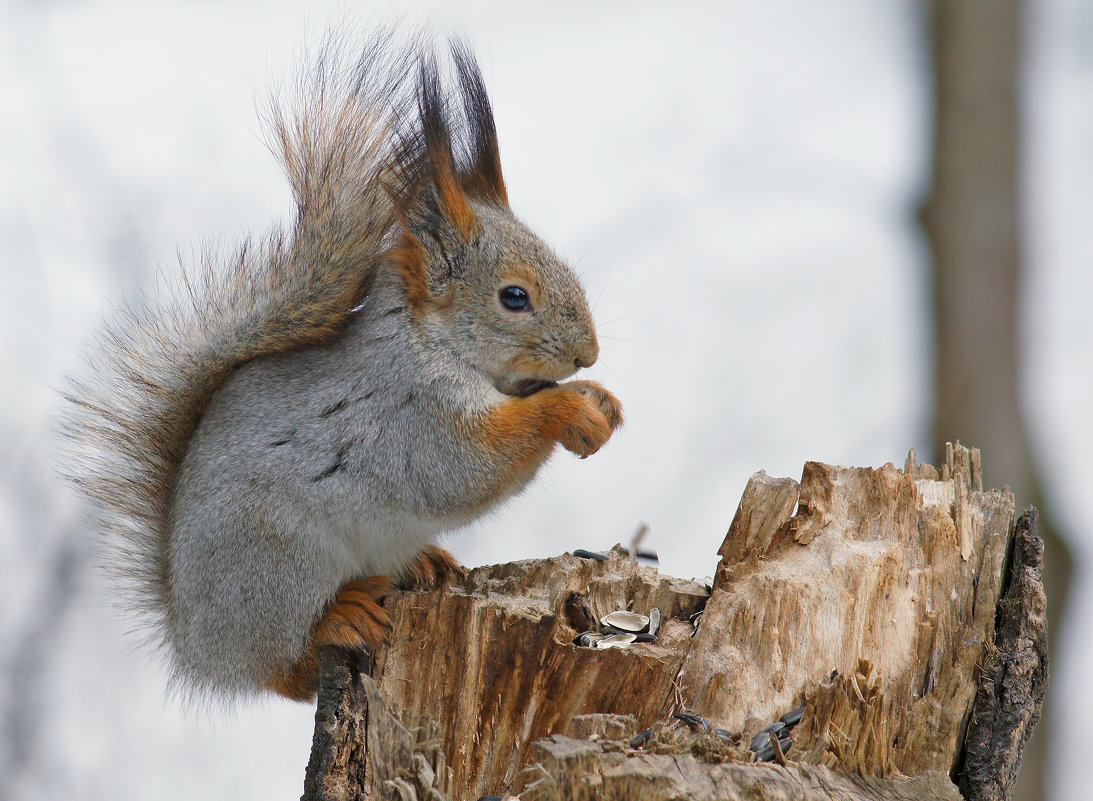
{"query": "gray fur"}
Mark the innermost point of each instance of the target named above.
(332, 462)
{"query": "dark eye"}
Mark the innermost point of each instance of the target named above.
(515, 298)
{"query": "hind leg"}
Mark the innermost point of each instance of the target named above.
(354, 619)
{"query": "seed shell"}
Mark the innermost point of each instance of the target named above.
(625, 621)
(599, 557)
(654, 620)
(587, 639)
(615, 641)
(641, 738)
(791, 719)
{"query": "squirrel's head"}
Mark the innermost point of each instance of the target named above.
(477, 277)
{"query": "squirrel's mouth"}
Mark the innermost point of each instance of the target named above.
(529, 386)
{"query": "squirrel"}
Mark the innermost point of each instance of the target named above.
(271, 449)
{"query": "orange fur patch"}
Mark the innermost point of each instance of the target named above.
(354, 619)
(409, 259)
(430, 566)
(523, 431)
(457, 209)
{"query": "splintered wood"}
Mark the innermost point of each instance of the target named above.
(879, 620)
(867, 595)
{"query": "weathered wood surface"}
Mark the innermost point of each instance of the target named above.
(895, 590)
(1013, 676)
(869, 595)
(580, 770)
(495, 650)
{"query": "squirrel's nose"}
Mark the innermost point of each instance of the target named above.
(587, 355)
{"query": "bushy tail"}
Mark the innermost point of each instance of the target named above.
(157, 365)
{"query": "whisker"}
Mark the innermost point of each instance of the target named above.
(626, 320)
(615, 373)
(638, 342)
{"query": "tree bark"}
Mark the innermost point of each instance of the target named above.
(867, 596)
(1013, 676)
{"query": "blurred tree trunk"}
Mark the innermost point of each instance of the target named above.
(972, 218)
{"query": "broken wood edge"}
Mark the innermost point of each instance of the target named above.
(850, 724)
(1013, 677)
(962, 463)
(361, 744)
(342, 710)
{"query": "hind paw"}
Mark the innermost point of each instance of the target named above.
(354, 619)
(430, 568)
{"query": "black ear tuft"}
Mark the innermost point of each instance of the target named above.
(481, 175)
(447, 142)
(439, 165)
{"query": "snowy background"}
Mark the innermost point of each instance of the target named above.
(734, 181)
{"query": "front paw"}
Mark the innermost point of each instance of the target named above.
(600, 413)
(607, 403)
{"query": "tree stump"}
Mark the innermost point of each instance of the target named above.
(902, 609)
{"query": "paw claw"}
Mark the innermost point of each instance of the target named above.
(356, 617)
(430, 568)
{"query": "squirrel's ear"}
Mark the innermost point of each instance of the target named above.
(435, 211)
(440, 224)
(433, 249)
(433, 186)
(443, 190)
(438, 211)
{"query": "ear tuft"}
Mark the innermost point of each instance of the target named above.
(447, 142)
(482, 178)
(439, 158)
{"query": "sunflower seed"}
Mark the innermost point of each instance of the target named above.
(775, 728)
(759, 742)
(693, 721)
(588, 639)
(641, 738)
(599, 557)
(791, 719)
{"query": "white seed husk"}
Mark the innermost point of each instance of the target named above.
(654, 620)
(615, 641)
(625, 621)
